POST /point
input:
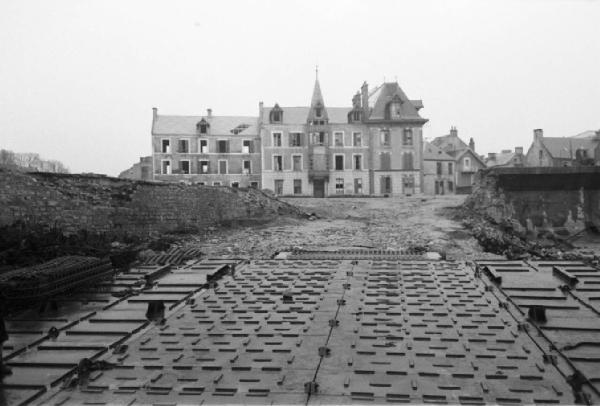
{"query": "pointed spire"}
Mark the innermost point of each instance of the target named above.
(317, 104)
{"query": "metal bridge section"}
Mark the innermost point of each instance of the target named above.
(358, 254)
(320, 332)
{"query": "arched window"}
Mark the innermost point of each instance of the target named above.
(202, 126)
(276, 114)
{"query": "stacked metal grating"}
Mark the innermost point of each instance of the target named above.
(53, 277)
(174, 256)
(358, 254)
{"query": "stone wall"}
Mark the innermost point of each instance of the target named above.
(563, 201)
(121, 207)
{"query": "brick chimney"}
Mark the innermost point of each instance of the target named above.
(472, 144)
(538, 134)
(519, 150)
(261, 105)
(453, 131)
(364, 91)
(209, 113)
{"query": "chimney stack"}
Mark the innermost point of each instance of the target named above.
(519, 150)
(492, 156)
(209, 113)
(538, 134)
(154, 112)
(472, 144)
(364, 91)
(261, 105)
(453, 131)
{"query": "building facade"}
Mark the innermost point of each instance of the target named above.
(209, 150)
(438, 171)
(372, 147)
(466, 161)
(507, 158)
(582, 149)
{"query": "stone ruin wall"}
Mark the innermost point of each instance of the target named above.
(559, 210)
(119, 207)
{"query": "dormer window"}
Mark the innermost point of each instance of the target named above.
(318, 111)
(202, 126)
(394, 109)
(276, 114)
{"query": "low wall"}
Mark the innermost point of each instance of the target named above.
(535, 200)
(120, 207)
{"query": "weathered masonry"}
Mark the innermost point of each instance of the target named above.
(561, 200)
(319, 332)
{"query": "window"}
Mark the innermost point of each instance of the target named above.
(165, 167)
(339, 162)
(385, 138)
(295, 139)
(339, 186)
(407, 138)
(297, 186)
(235, 185)
(254, 185)
(450, 171)
(319, 138)
(246, 169)
(246, 147)
(222, 166)
(450, 186)
(358, 162)
(296, 163)
(203, 166)
(407, 161)
(356, 115)
(276, 114)
(184, 167)
(439, 168)
(184, 146)
(222, 146)
(202, 126)
(357, 139)
(165, 146)
(200, 183)
(277, 163)
(467, 163)
(358, 186)
(278, 187)
(386, 184)
(318, 111)
(541, 154)
(216, 183)
(338, 139)
(204, 146)
(395, 110)
(408, 183)
(385, 163)
(276, 139)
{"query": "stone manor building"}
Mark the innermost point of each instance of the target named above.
(374, 146)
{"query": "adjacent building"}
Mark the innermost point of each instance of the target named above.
(141, 170)
(438, 171)
(507, 158)
(371, 147)
(582, 149)
(208, 150)
(466, 161)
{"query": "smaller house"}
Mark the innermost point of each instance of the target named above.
(507, 158)
(466, 161)
(583, 149)
(438, 171)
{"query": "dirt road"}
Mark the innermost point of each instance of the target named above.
(385, 223)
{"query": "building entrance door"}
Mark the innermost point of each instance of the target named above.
(386, 185)
(318, 188)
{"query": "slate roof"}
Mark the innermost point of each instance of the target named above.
(502, 158)
(433, 153)
(445, 141)
(586, 134)
(383, 94)
(565, 147)
(299, 115)
(219, 125)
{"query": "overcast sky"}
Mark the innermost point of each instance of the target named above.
(78, 79)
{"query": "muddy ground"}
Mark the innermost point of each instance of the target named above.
(421, 223)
